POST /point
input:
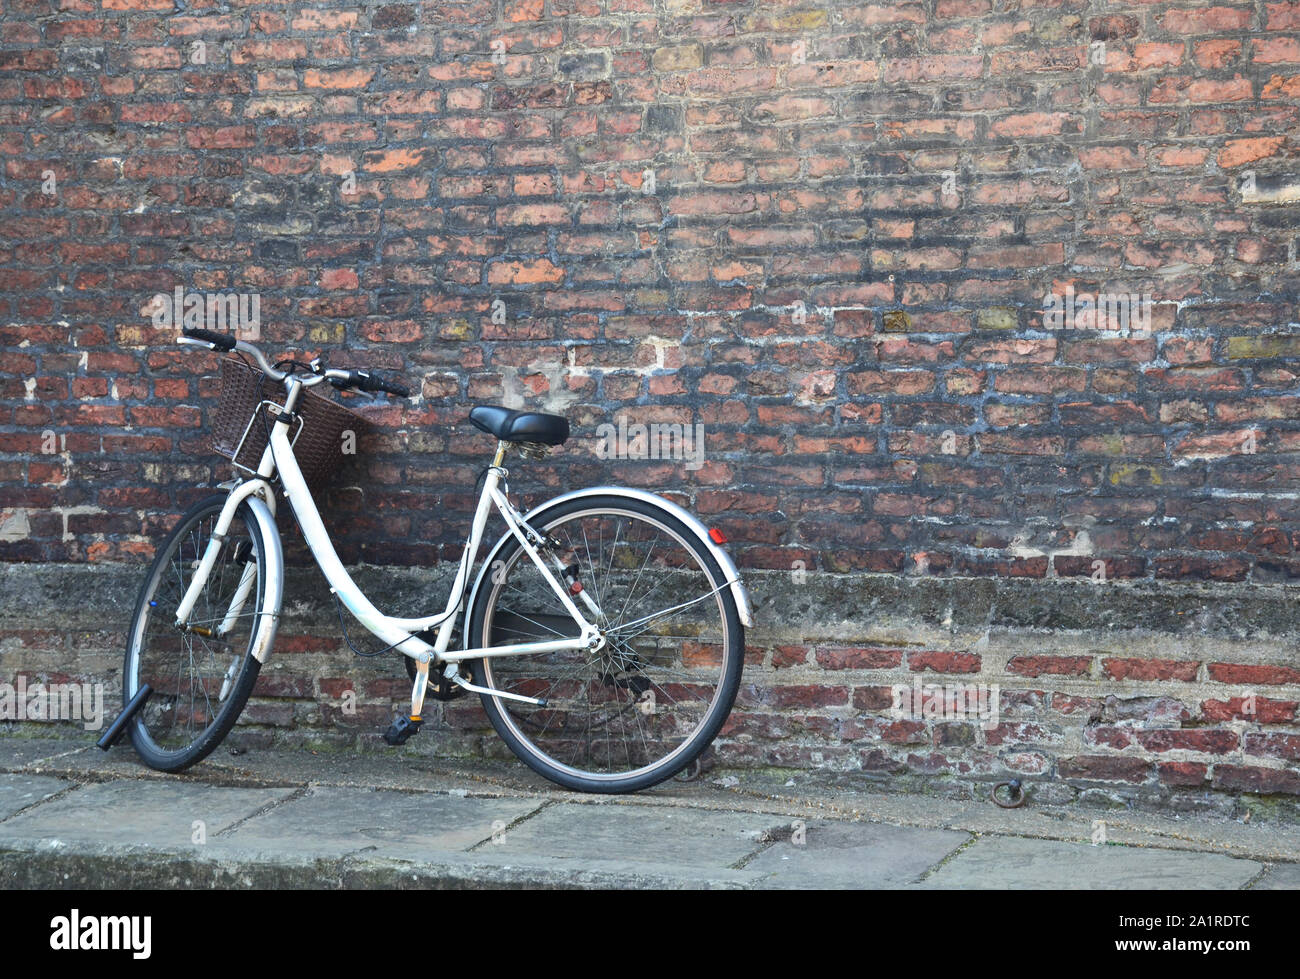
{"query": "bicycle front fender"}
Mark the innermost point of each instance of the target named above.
(264, 637)
(691, 522)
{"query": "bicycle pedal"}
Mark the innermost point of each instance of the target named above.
(402, 728)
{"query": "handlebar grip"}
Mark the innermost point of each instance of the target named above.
(370, 383)
(222, 341)
(391, 387)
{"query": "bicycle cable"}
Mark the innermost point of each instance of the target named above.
(338, 607)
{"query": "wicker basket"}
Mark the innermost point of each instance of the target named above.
(238, 432)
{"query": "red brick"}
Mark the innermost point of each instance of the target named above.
(1264, 781)
(1273, 745)
(1252, 674)
(943, 662)
(1117, 668)
(1202, 740)
(1050, 665)
(857, 658)
(1206, 20)
(1104, 768)
(1183, 774)
(786, 656)
(1262, 710)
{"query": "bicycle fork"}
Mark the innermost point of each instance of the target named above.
(268, 620)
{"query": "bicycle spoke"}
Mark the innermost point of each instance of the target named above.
(668, 611)
(632, 589)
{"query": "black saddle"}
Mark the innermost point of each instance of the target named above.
(509, 425)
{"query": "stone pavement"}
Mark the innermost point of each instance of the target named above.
(73, 816)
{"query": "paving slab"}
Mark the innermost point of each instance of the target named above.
(853, 855)
(1002, 862)
(17, 792)
(622, 833)
(403, 825)
(1280, 877)
(844, 796)
(141, 813)
(22, 752)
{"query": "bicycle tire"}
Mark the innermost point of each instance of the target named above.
(623, 668)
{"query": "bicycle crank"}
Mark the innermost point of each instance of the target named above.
(441, 687)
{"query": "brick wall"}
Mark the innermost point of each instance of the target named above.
(824, 231)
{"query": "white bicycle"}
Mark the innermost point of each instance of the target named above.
(604, 632)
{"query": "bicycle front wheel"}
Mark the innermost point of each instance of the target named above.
(646, 703)
(201, 675)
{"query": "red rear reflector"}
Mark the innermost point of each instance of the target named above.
(717, 536)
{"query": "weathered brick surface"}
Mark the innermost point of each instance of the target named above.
(825, 232)
(1156, 732)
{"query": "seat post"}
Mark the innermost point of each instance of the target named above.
(501, 453)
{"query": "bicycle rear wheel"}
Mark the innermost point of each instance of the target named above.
(645, 704)
(200, 681)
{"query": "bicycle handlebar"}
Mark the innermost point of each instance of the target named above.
(225, 342)
(362, 380)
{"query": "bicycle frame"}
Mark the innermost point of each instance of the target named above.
(399, 633)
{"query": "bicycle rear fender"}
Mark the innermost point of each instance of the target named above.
(692, 523)
(270, 618)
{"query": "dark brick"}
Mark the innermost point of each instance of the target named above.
(1104, 768)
